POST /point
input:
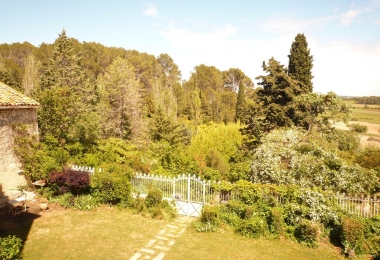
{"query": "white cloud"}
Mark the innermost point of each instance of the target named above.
(187, 40)
(280, 24)
(151, 11)
(348, 17)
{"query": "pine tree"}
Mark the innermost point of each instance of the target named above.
(241, 105)
(301, 63)
(277, 94)
(67, 97)
(64, 67)
(121, 102)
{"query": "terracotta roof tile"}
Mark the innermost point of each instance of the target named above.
(11, 97)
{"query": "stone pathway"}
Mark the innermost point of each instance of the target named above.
(157, 247)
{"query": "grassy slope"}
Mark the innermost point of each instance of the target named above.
(108, 233)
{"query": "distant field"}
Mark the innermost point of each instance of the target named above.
(364, 113)
(369, 115)
(365, 106)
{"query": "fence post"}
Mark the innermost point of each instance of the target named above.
(173, 196)
(204, 192)
(188, 194)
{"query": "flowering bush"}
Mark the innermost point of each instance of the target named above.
(289, 156)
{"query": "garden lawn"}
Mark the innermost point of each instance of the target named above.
(107, 233)
(227, 245)
(112, 233)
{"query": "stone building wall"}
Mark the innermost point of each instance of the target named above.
(11, 175)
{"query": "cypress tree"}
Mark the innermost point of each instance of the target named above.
(277, 94)
(301, 63)
(240, 104)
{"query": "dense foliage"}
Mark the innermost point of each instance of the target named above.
(308, 216)
(122, 112)
(70, 181)
(10, 247)
(293, 157)
(301, 63)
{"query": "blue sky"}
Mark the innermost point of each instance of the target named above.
(344, 36)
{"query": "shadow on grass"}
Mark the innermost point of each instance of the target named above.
(18, 225)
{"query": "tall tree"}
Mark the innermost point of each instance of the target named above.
(67, 97)
(301, 63)
(277, 94)
(233, 77)
(64, 67)
(30, 78)
(216, 105)
(121, 111)
(241, 104)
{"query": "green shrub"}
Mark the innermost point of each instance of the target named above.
(236, 207)
(352, 235)
(85, 202)
(10, 247)
(358, 128)
(307, 232)
(65, 200)
(293, 212)
(210, 214)
(156, 212)
(139, 205)
(153, 198)
(112, 185)
(276, 221)
(205, 227)
(230, 218)
(169, 208)
(47, 192)
(253, 227)
(374, 246)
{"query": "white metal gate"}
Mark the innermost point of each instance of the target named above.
(188, 192)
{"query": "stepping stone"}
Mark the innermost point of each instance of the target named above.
(171, 226)
(135, 256)
(162, 238)
(151, 242)
(160, 256)
(162, 232)
(148, 251)
(162, 248)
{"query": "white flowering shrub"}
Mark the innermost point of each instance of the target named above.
(290, 156)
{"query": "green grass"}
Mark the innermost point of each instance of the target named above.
(366, 115)
(195, 245)
(107, 233)
(110, 233)
(228, 245)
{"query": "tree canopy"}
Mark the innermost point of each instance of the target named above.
(301, 63)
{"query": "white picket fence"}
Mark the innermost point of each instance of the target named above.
(191, 193)
(360, 206)
(90, 170)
